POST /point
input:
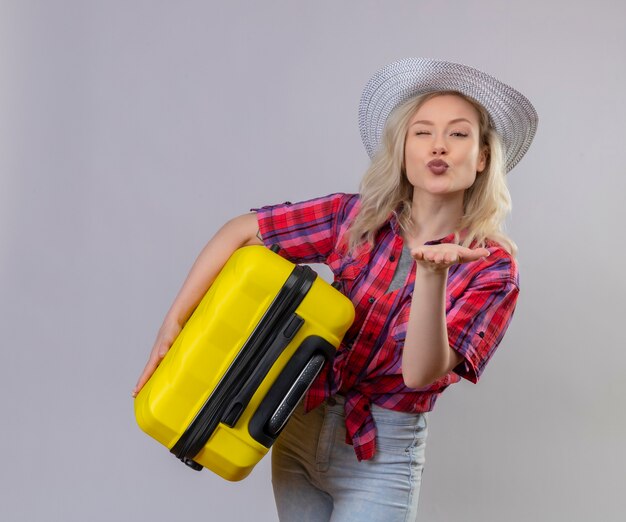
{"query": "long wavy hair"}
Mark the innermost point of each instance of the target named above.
(385, 188)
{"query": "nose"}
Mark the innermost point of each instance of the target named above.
(439, 149)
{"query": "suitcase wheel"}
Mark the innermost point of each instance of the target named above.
(192, 464)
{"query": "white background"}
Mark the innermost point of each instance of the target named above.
(131, 130)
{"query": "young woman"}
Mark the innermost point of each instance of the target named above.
(421, 253)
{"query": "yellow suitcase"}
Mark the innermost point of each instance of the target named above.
(245, 358)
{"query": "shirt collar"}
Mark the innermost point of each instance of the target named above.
(446, 239)
(394, 223)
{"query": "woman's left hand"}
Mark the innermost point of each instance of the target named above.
(438, 258)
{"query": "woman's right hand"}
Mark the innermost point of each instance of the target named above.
(165, 338)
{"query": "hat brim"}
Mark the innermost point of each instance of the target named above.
(512, 115)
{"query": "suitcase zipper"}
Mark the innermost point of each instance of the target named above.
(256, 374)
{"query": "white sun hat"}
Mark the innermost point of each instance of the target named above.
(511, 114)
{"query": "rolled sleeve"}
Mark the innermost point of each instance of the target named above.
(480, 317)
(306, 232)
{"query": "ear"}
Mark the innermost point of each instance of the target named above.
(483, 155)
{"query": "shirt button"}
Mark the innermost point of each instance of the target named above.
(392, 258)
(371, 300)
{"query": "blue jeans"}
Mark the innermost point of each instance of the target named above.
(317, 477)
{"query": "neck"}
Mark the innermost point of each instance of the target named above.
(433, 217)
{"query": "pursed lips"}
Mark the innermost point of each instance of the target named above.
(437, 166)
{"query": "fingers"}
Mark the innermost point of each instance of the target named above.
(437, 257)
(475, 254)
(417, 254)
(153, 362)
(145, 375)
(165, 339)
(448, 254)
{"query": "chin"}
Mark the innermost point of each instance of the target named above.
(440, 186)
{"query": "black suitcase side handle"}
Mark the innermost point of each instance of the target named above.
(277, 422)
(289, 388)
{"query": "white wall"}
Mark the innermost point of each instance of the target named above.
(130, 130)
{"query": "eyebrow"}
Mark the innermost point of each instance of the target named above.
(428, 122)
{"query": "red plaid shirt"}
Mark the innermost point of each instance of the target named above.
(480, 299)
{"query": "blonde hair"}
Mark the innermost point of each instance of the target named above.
(385, 188)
